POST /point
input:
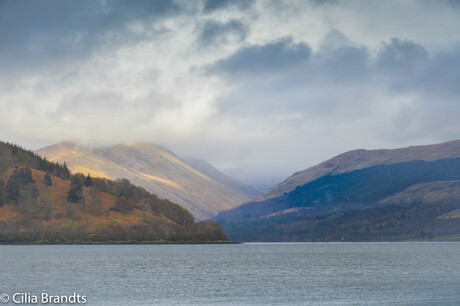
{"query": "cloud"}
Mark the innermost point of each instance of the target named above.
(259, 88)
(215, 33)
(340, 93)
(52, 32)
(214, 5)
(281, 54)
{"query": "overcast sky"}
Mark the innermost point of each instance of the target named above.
(260, 89)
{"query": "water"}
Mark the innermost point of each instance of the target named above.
(425, 273)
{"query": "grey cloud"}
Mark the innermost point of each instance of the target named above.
(341, 65)
(295, 79)
(403, 61)
(278, 55)
(336, 39)
(214, 32)
(442, 76)
(214, 5)
(50, 31)
(409, 66)
(344, 83)
(324, 2)
(402, 55)
(340, 93)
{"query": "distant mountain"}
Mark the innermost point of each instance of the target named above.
(42, 202)
(397, 194)
(194, 184)
(359, 159)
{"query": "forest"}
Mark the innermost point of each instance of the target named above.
(417, 221)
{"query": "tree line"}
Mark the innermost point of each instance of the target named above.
(14, 155)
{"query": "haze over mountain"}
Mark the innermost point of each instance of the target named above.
(194, 184)
(405, 193)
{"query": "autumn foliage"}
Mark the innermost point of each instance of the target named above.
(41, 201)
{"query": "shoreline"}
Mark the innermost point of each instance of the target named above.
(209, 242)
(115, 242)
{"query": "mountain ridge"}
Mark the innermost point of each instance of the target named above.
(157, 169)
(350, 192)
(362, 158)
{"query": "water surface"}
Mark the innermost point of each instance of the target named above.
(422, 273)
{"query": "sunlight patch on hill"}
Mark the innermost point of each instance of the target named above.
(161, 180)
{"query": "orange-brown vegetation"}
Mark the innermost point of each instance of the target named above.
(41, 210)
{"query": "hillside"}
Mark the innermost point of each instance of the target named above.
(377, 202)
(359, 159)
(42, 202)
(194, 184)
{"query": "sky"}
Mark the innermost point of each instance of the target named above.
(260, 89)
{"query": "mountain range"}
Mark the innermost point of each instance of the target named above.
(361, 195)
(397, 194)
(192, 183)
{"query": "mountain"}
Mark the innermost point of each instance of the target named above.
(207, 169)
(359, 159)
(399, 194)
(194, 184)
(42, 202)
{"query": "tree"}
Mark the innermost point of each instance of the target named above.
(65, 172)
(12, 190)
(75, 191)
(122, 204)
(20, 178)
(28, 202)
(84, 195)
(47, 180)
(2, 193)
(89, 181)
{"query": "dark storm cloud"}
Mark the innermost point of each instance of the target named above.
(44, 32)
(279, 55)
(215, 32)
(214, 5)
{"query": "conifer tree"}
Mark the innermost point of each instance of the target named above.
(47, 180)
(66, 173)
(75, 192)
(88, 181)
